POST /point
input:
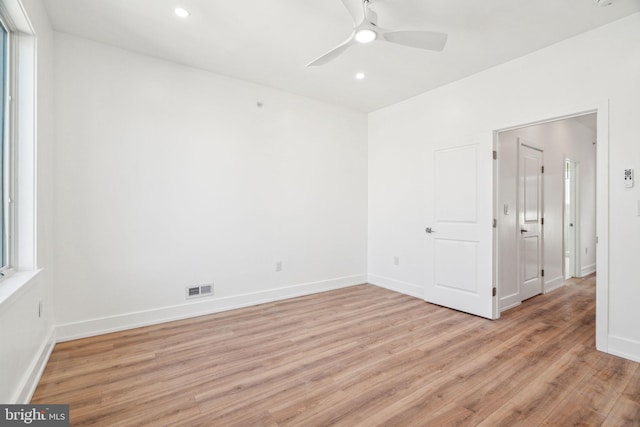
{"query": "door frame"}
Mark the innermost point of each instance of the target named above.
(601, 109)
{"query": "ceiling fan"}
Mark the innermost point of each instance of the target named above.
(366, 30)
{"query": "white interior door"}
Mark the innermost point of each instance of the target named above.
(459, 240)
(530, 219)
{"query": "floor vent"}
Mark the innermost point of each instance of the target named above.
(198, 291)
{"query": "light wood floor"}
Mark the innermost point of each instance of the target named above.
(361, 356)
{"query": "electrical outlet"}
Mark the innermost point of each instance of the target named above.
(279, 266)
(396, 260)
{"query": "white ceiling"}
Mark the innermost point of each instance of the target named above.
(269, 42)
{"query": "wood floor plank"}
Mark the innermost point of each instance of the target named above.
(440, 392)
(625, 413)
(452, 388)
(632, 390)
(555, 381)
(571, 412)
(360, 356)
(600, 389)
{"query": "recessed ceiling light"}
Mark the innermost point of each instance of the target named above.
(365, 35)
(182, 13)
(360, 76)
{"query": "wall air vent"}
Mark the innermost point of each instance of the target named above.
(198, 291)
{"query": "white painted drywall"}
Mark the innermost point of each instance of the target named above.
(577, 75)
(559, 140)
(26, 338)
(168, 176)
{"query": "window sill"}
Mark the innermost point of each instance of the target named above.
(12, 287)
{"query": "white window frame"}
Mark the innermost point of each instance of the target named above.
(21, 159)
(7, 146)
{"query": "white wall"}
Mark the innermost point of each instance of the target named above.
(168, 176)
(25, 337)
(577, 75)
(559, 140)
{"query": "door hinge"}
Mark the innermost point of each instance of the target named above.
(495, 223)
(495, 155)
(541, 221)
(542, 169)
(495, 292)
(542, 273)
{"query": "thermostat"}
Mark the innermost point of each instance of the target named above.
(628, 178)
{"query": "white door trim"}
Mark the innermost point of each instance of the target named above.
(602, 227)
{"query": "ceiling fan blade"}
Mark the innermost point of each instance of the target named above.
(355, 9)
(428, 40)
(333, 53)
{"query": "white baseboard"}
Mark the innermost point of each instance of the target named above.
(624, 347)
(555, 283)
(398, 286)
(587, 270)
(36, 368)
(103, 325)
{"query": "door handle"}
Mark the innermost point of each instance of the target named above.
(523, 230)
(429, 230)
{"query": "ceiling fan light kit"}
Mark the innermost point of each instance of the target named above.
(181, 12)
(365, 35)
(367, 30)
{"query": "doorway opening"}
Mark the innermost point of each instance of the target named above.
(565, 244)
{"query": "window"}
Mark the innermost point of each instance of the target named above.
(18, 128)
(5, 166)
